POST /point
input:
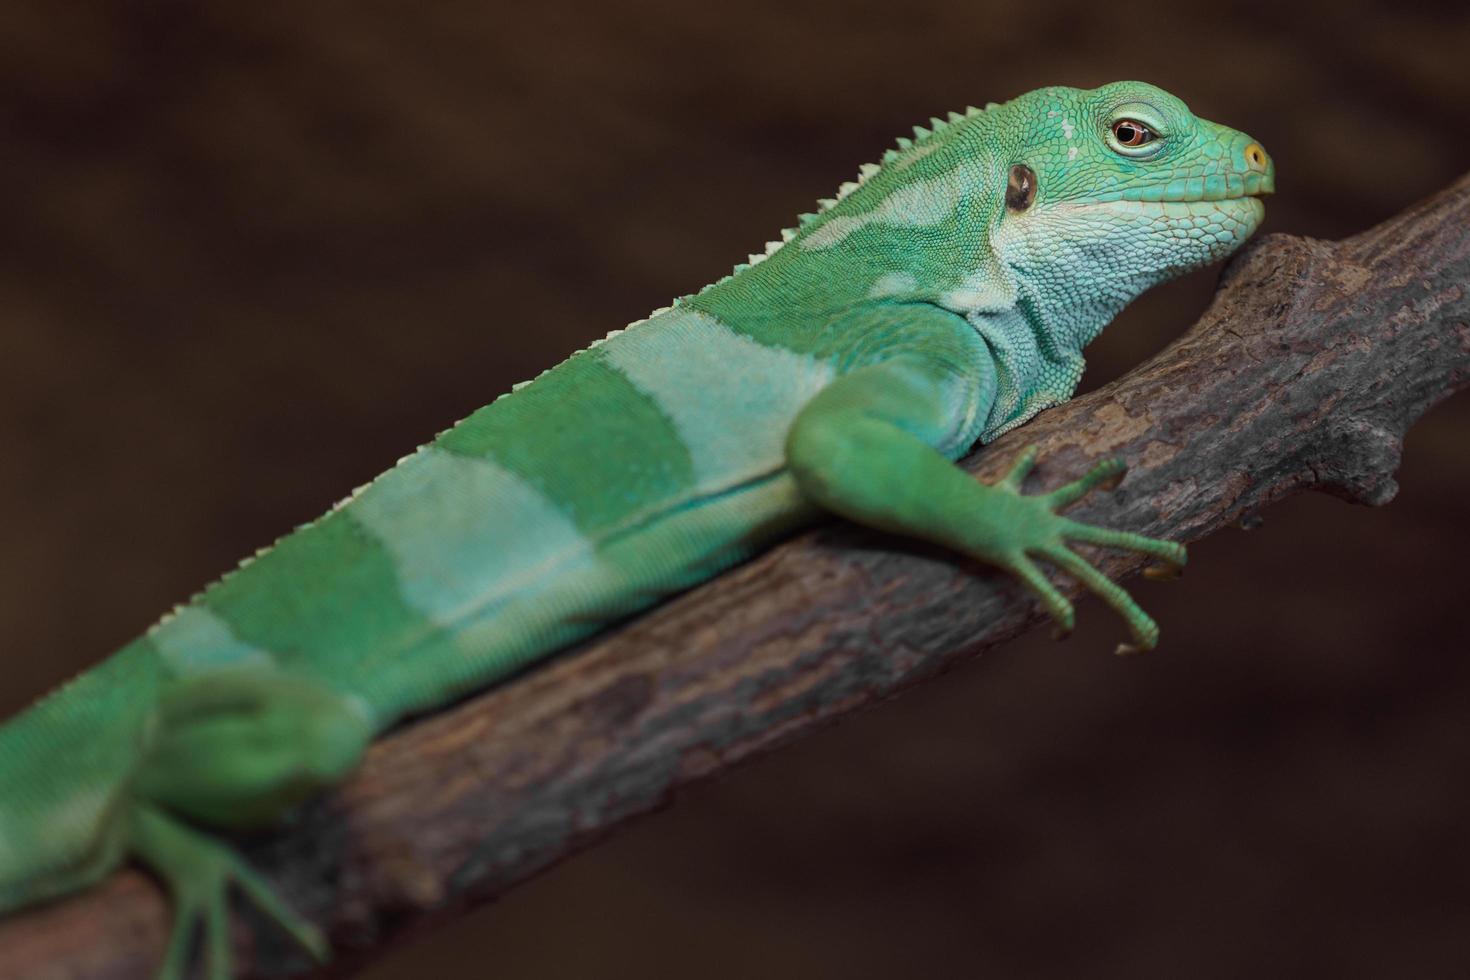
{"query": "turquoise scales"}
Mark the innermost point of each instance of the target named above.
(944, 297)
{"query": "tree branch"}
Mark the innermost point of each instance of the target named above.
(1304, 373)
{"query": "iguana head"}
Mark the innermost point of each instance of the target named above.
(1037, 220)
(1062, 203)
(1111, 190)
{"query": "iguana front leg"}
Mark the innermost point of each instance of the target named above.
(864, 449)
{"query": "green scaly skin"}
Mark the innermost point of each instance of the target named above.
(944, 298)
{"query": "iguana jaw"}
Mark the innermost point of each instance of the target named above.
(1192, 190)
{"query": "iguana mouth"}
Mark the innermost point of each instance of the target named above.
(1217, 187)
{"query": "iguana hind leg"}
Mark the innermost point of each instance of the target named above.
(198, 871)
(233, 748)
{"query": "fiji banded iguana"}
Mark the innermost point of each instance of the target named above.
(941, 299)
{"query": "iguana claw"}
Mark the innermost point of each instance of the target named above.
(1045, 535)
(199, 871)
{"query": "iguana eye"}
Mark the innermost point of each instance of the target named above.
(1131, 132)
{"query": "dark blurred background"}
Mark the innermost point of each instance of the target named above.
(251, 254)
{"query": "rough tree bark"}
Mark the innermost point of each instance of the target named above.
(1304, 373)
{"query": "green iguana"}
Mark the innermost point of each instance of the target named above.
(940, 299)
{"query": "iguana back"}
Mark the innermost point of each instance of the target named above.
(637, 467)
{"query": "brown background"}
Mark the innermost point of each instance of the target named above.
(250, 255)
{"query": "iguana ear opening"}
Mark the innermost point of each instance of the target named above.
(1021, 188)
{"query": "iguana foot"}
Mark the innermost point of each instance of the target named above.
(1036, 531)
(198, 871)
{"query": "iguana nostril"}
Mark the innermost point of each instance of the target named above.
(1256, 159)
